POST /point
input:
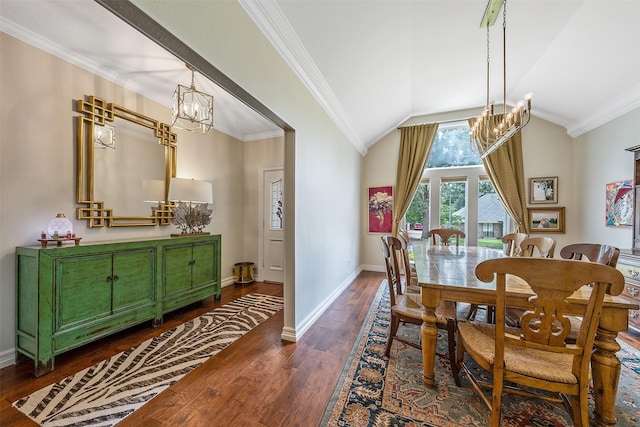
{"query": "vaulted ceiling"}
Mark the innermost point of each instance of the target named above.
(372, 64)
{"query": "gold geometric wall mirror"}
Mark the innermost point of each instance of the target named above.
(125, 162)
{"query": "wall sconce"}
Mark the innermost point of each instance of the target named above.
(104, 136)
(191, 212)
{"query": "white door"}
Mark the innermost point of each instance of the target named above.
(272, 225)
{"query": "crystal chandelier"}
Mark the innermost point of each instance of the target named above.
(192, 110)
(491, 130)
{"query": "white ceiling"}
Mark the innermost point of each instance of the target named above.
(373, 64)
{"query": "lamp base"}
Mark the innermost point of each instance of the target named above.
(202, 233)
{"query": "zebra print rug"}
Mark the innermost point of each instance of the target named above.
(104, 394)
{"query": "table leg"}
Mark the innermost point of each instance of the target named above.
(605, 367)
(429, 340)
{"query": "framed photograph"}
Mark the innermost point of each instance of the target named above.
(546, 220)
(380, 209)
(543, 190)
(619, 204)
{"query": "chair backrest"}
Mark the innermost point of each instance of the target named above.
(546, 325)
(541, 247)
(404, 252)
(391, 247)
(404, 236)
(595, 252)
(445, 235)
(513, 240)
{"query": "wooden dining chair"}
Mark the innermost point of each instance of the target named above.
(594, 252)
(408, 269)
(444, 235)
(513, 241)
(407, 307)
(536, 354)
(540, 246)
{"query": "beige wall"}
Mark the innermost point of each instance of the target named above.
(583, 167)
(37, 158)
(258, 156)
(322, 168)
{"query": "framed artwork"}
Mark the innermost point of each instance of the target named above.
(546, 220)
(380, 209)
(619, 204)
(543, 190)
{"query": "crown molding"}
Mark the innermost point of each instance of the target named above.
(263, 135)
(613, 109)
(274, 25)
(42, 43)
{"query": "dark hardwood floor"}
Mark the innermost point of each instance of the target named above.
(259, 380)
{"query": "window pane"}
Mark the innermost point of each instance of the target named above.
(453, 204)
(417, 216)
(451, 147)
(491, 216)
(276, 205)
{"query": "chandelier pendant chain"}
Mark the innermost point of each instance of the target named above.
(489, 131)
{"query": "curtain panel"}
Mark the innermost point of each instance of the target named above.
(505, 168)
(415, 146)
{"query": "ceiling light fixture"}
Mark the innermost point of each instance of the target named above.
(192, 110)
(491, 130)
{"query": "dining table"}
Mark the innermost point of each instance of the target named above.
(447, 273)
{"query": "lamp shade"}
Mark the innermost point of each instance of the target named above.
(153, 190)
(190, 190)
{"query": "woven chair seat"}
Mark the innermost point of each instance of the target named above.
(409, 305)
(525, 361)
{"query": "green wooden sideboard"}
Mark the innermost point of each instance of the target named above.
(70, 296)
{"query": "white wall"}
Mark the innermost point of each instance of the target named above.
(600, 157)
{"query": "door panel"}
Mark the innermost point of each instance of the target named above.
(83, 289)
(203, 267)
(177, 274)
(133, 281)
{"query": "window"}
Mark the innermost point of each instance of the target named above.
(456, 193)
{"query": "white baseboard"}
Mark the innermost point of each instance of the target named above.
(376, 268)
(290, 334)
(8, 358)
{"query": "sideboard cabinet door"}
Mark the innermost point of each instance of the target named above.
(82, 290)
(191, 272)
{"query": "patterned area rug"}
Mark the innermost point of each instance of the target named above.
(378, 391)
(107, 392)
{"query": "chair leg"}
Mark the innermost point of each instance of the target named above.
(580, 411)
(473, 310)
(393, 329)
(451, 338)
(496, 402)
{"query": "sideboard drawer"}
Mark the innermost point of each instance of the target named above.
(629, 266)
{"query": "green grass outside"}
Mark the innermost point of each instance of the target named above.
(490, 243)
